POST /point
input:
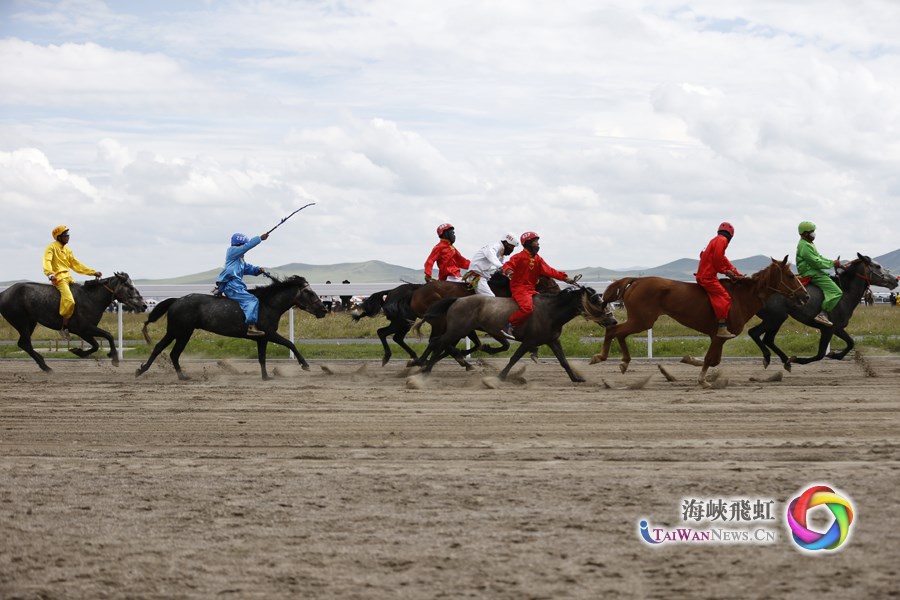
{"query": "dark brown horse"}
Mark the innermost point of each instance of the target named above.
(646, 298)
(405, 303)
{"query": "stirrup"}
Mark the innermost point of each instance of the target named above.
(822, 319)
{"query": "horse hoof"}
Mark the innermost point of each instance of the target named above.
(139, 371)
(787, 366)
(595, 359)
(623, 367)
(578, 380)
(766, 362)
(705, 384)
(305, 366)
(384, 361)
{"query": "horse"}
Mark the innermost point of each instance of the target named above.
(867, 296)
(854, 280)
(646, 298)
(26, 304)
(544, 326)
(225, 317)
(403, 304)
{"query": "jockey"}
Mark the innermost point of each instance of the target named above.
(448, 258)
(488, 260)
(231, 281)
(58, 260)
(524, 269)
(811, 264)
(712, 262)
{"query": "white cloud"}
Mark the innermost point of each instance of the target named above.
(622, 132)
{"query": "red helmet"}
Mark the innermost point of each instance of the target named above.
(528, 236)
(443, 227)
(726, 226)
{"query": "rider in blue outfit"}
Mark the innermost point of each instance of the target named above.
(231, 281)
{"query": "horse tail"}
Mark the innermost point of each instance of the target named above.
(616, 290)
(371, 306)
(158, 311)
(416, 329)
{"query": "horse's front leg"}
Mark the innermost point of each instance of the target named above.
(840, 354)
(519, 353)
(277, 338)
(557, 349)
(261, 345)
(93, 346)
(824, 340)
(713, 358)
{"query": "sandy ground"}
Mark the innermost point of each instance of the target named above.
(355, 481)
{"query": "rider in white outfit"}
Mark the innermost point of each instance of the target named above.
(489, 259)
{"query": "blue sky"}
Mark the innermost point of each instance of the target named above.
(623, 132)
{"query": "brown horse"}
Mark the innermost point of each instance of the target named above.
(646, 298)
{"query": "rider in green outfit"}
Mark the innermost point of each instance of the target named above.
(813, 265)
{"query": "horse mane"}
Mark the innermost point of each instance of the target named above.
(278, 284)
(92, 283)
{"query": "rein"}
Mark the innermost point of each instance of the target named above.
(777, 288)
(115, 290)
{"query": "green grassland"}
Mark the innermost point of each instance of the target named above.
(878, 325)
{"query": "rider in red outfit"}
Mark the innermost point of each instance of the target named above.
(448, 258)
(524, 269)
(712, 262)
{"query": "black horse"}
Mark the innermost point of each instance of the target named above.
(396, 307)
(544, 326)
(26, 304)
(225, 317)
(405, 303)
(853, 280)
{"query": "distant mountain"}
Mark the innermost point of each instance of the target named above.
(376, 271)
(372, 271)
(683, 268)
(891, 260)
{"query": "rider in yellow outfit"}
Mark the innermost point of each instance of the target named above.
(58, 260)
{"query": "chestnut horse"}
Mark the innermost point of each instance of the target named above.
(646, 298)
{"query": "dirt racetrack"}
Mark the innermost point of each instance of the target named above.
(355, 481)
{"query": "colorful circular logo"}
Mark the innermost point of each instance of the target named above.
(819, 495)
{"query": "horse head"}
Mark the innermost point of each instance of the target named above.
(595, 309)
(306, 299)
(871, 272)
(122, 289)
(778, 278)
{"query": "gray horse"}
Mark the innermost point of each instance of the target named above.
(853, 280)
(544, 326)
(27, 304)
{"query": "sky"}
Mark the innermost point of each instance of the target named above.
(622, 132)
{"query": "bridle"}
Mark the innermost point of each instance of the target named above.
(792, 293)
(114, 291)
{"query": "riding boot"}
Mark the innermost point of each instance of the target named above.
(508, 331)
(252, 331)
(64, 331)
(723, 331)
(822, 319)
